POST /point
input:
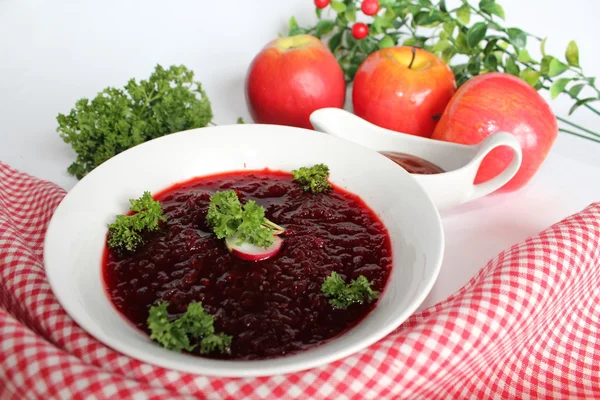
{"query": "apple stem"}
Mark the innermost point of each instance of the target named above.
(414, 54)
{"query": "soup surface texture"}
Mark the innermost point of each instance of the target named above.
(270, 308)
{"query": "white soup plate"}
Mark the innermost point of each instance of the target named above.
(76, 235)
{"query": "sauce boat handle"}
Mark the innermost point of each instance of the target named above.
(499, 139)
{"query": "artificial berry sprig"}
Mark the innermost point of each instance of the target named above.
(469, 38)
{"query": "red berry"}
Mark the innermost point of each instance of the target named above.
(321, 3)
(360, 30)
(370, 7)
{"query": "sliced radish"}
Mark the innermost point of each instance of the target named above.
(250, 252)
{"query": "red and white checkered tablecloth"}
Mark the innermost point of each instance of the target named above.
(527, 326)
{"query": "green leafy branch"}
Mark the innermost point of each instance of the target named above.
(469, 38)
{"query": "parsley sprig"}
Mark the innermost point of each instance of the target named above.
(313, 179)
(124, 233)
(196, 324)
(342, 295)
(228, 218)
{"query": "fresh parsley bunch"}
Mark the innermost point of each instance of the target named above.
(118, 119)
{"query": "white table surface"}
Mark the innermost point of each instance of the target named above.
(54, 52)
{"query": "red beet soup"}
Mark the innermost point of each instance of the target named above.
(270, 308)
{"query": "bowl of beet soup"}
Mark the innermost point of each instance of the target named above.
(348, 266)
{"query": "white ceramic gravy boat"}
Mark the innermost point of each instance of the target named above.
(460, 162)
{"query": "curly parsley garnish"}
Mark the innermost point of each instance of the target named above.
(247, 223)
(170, 100)
(342, 295)
(124, 233)
(313, 179)
(195, 325)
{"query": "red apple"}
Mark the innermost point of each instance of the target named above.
(292, 77)
(404, 89)
(495, 102)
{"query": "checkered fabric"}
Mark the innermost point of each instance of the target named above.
(527, 326)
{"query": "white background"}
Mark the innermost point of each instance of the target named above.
(54, 52)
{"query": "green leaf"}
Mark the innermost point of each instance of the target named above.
(490, 46)
(389, 14)
(463, 14)
(350, 14)
(447, 55)
(338, 6)
(543, 47)
(350, 40)
(558, 87)
(293, 25)
(530, 76)
(524, 56)
(358, 59)
(324, 27)
(386, 42)
(319, 12)
(581, 103)
(545, 64)
(474, 65)
(512, 67)
(409, 42)
(398, 23)
(576, 89)
(461, 44)
(449, 28)
(378, 24)
(335, 41)
(461, 74)
(517, 37)
(442, 6)
(441, 45)
(572, 54)
(427, 19)
(368, 45)
(476, 34)
(491, 62)
(490, 7)
(499, 55)
(556, 68)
